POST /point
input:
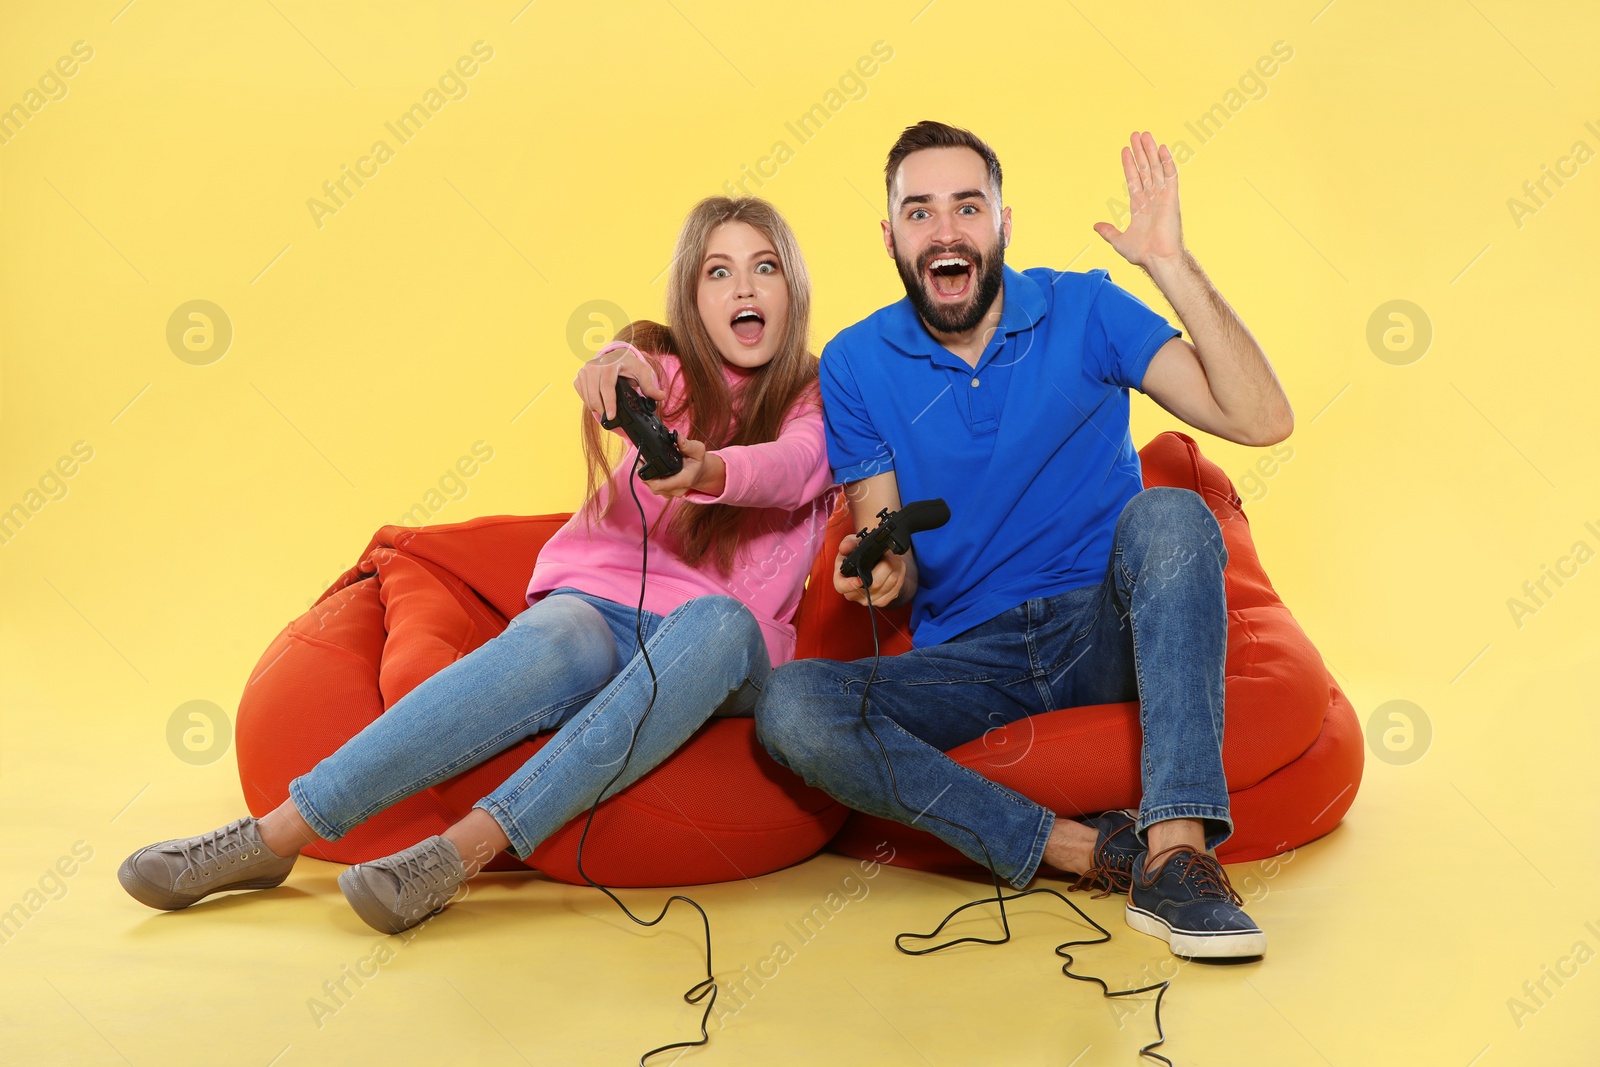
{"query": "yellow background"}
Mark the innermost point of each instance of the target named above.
(433, 311)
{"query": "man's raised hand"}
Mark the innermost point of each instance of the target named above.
(1155, 232)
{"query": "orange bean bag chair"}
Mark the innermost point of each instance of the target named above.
(720, 808)
(419, 599)
(1291, 749)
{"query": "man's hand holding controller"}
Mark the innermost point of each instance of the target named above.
(880, 554)
(889, 578)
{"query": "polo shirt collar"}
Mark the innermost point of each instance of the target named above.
(1024, 307)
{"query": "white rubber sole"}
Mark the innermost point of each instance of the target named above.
(1198, 945)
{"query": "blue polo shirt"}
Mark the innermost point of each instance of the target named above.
(1031, 449)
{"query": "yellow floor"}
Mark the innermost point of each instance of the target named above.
(1400, 938)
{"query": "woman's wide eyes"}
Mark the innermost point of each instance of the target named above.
(767, 267)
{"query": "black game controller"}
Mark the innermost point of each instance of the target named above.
(636, 414)
(894, 532)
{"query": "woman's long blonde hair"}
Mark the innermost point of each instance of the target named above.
(763, 400)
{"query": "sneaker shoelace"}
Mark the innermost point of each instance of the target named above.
(1209, 879)
(226, 843)
(417, 875)
(1110, 874)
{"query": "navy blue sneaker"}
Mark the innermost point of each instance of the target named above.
(1191, 905)
(1115, 849)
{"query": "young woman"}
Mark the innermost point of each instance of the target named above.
(732, 374)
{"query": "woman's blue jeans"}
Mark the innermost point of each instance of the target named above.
(1155, 630)
(569, 663)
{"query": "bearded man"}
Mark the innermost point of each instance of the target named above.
(1060, 581)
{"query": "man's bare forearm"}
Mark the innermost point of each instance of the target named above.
(1241, 379)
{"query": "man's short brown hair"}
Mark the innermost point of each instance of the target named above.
(930, 134)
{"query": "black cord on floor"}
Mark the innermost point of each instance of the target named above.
(706, 989)
(1000, 896)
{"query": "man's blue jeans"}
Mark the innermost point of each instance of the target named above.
(1155, 629)
(569, 661)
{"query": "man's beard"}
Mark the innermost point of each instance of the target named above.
(954, 318)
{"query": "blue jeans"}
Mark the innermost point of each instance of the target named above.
(1155, 629)
(569, 661)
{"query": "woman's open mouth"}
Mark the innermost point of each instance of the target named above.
(949, 277)
(748, 326)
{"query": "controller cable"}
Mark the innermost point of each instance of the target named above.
(706, 989)
(1000, 896)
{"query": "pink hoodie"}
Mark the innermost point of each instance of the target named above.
(787, 479)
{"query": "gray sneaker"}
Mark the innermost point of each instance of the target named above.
(174, 874)
(397, 892)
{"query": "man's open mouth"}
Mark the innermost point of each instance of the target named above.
(748, 326)
(950, 276)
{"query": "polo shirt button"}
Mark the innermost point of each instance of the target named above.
(974, 383)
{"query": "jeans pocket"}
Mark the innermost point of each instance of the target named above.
(854, 686)
(963, 680)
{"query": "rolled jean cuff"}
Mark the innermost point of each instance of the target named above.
(323, 828)
(1047, 821)
(1218, 823)
(519, 841)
